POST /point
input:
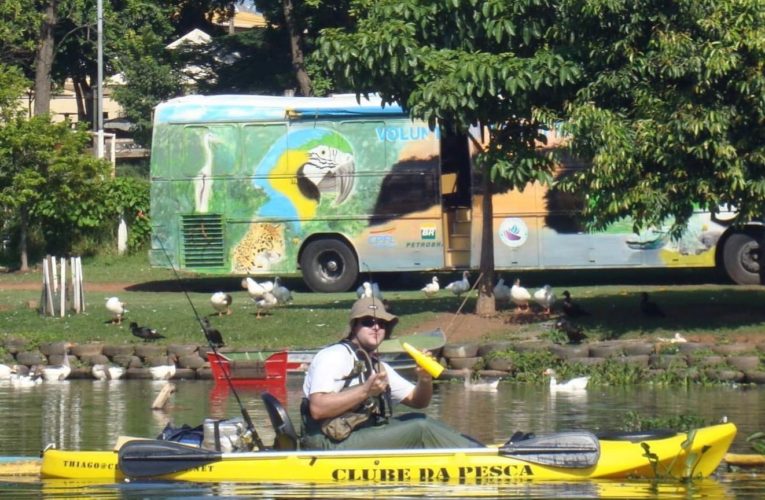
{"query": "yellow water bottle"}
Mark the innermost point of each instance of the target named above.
(427, 363)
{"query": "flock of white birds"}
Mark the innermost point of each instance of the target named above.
(269, 294)
(518, 295)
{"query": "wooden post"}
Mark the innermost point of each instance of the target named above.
(48, 289)
(62, 311)
(75, 293)
(81, 281)
(161, 400)
(54, 274)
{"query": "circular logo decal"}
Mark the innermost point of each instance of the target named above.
(513, 232)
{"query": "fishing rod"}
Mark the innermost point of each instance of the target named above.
(245, 415)
(387, 401)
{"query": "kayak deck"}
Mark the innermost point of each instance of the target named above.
(693, 455)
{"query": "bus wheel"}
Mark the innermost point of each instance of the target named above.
(329, 266)
(741, 259)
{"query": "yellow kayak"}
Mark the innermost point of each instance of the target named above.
(562, 456)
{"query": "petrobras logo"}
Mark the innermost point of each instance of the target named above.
(513, 232)
(428, 233)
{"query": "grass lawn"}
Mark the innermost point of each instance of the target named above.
(697, 304)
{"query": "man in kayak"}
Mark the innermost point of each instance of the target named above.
(349, 393)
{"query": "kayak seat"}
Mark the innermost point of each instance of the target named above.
(286, 437)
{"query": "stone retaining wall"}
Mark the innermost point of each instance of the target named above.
(723, 362)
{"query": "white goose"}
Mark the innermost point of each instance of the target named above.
(476, 386)
(519, 295)
(57, 373)
(461, 286)
(267, 301)
(282, 294)
(431, 288)
(162, 372)
(221, 302)
(573, 385)
(254, 289)
(31, 379)
(115, 306)
(369, 290)
(5, 372)
(545, 298)
(501, 291)
(103, 372)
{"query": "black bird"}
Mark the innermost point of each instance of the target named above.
(213, 336)
(571, 308)
(145, 333)
(649, 308)
(573, 332)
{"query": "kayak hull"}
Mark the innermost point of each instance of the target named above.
(694, 455)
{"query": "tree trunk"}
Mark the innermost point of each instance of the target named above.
(486, 305)
(23, 232)
(44, 59)
(296, 40)
(84, 97)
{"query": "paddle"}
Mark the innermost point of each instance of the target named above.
(565, 449)
(147, 458)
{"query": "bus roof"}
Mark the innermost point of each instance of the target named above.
(237, 108)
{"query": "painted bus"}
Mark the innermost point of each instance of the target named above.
(333, 187)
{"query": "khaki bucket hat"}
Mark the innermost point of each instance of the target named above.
(372, 307)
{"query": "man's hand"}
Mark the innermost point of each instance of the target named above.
(377, 383)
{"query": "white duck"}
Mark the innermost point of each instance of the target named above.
(162, 372)
(115, 306)
(32, 379)
(254, 289)
(431, 288)
(545, 298)
(501, 291)
(476, 386)
(5, 372)
(461, 286)
(369, 290)
(573, 385)
(268, 301)
(519, 295)
(103, 372)
(282, 293)
(221, 302)
(59, 372)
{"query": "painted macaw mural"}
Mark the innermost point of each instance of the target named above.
(300, 168)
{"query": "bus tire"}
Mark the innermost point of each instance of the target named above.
(329, 265)
(741, 258)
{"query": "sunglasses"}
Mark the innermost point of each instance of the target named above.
(369, 322)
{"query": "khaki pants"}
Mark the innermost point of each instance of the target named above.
(412, 430)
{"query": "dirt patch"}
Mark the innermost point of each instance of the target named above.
(473, 328)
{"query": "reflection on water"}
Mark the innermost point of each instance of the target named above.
(91, 415)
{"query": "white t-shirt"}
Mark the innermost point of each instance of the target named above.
(332, 364)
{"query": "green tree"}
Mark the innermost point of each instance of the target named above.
(47, 181)
(672, 112)
(460, 63)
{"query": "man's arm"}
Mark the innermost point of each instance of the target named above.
(422, 392)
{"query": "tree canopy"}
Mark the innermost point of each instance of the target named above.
(671, 112)
(459, 64)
